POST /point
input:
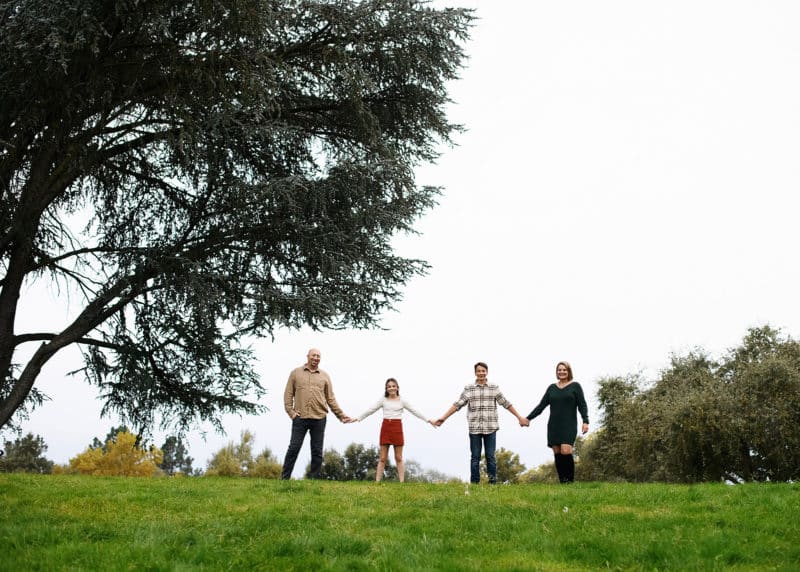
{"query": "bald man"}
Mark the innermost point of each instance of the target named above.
(306, 399)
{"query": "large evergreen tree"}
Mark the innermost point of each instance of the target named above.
(202, 171)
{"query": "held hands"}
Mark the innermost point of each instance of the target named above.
(439, 422)
(433, 422)
(524, 421)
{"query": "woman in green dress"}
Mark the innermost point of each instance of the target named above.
(565, 398)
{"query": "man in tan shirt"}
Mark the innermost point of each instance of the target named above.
(307, 397)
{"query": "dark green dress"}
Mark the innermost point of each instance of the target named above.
(562, 427)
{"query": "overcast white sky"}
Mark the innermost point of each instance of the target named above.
(626, 188)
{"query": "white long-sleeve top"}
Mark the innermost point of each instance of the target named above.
(392, 409)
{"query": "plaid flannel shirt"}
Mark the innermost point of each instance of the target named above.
(482, 410)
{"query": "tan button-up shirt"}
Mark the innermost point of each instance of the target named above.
(309, 394)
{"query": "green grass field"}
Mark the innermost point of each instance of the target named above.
(93, 523)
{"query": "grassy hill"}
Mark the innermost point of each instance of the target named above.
(93, 523)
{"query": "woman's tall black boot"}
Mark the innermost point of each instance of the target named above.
(568, 463)
(559, 467)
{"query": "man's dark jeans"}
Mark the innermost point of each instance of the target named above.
(316, 427)
(489, 442)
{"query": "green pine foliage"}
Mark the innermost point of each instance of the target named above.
(25, 455)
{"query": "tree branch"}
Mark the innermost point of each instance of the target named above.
(47, 336)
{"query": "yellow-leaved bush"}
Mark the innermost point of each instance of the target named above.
(120, 457)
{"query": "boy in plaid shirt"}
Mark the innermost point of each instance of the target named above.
(482, 398)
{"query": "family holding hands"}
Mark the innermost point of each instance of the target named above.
(309, 394)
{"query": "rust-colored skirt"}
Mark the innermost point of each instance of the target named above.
(392, 432)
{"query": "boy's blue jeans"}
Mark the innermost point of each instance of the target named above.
(488, 442)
